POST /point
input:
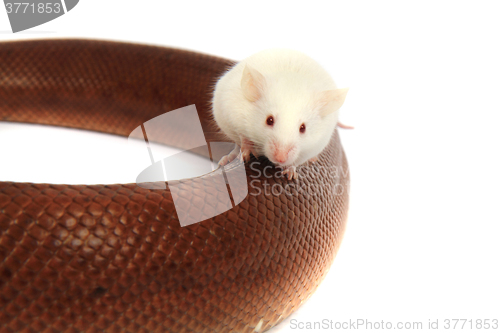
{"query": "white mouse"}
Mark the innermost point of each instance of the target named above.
(278, 103)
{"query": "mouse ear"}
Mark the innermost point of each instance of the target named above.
(252, 83)
(331, 100)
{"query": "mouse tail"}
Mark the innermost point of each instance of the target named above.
(339, 124)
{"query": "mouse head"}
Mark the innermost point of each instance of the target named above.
(292, 121)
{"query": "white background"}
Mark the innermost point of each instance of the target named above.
(422, 237)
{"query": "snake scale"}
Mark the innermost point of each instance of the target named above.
(113, 258)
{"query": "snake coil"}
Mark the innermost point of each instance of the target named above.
(113, 258)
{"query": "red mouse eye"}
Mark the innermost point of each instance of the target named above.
(302, 128)
(270, 121)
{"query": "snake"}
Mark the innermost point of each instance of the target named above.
(113, 257)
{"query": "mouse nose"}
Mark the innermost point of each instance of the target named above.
(281, 155)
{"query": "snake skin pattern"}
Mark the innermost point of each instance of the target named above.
(113, 258)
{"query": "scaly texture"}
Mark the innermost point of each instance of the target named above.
(92, 258)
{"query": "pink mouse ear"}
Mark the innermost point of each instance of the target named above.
(331, 100)
(252, 84)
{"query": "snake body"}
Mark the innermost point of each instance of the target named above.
(113, 258)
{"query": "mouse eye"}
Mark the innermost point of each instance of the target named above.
(303, 128)
(270, 121)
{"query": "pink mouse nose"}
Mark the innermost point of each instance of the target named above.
(281, 155)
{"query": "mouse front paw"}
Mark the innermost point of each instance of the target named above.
(290, 172)
(247, 148)
(229, 157)
(226, 160)
(245, 155)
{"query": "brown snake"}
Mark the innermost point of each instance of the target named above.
(114, 258)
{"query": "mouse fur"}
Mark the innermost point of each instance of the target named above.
(291, 88)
